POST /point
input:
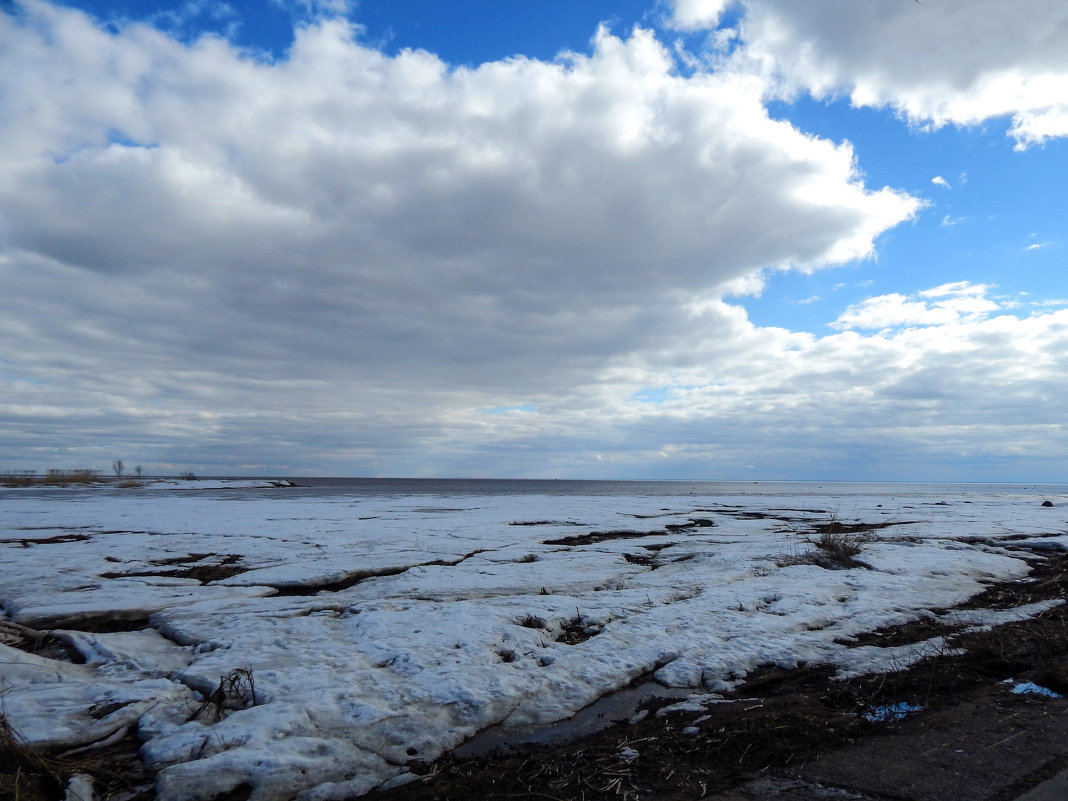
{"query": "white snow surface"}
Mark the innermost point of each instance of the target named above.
(382, 630)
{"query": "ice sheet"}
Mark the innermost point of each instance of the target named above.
(385, 630)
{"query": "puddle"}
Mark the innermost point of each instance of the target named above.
(602, 713)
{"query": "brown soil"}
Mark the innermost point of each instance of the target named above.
(204, 573)
(26, 542)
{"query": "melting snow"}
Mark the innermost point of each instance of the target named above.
(380, 631)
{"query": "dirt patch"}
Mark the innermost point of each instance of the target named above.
(749, 514)
(224, 568)
(181, 560)
(26, 542)
(838, 527)
(695, 522)
(39, 643)
(653, 561)
(594, 537)
(544, 523)
(100, 624)
(350, 580)
(662, 757)
(1045, 582)
(577, 629)
(602, 536)
(356, 576)
(658, 546)
(915, 631)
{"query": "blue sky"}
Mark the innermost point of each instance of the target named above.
(685, 239)
(981, 225)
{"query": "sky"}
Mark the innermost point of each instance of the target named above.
(686, 239)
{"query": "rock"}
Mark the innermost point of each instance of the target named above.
(1047, 503)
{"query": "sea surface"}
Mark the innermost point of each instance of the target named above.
(335, 489)
(459, 487)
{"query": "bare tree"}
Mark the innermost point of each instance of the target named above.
(138, 470)
(117, 466)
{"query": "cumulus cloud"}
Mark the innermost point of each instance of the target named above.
(944, 390)
(938, 180)
(689, 15)
(197, 240)
(952, 62)
(345, 262)
(941, 305)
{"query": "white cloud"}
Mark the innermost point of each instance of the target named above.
(196, 244)
(958, 393)
(950, 62)
(956, 289)
(938, 180)
(691, 15)
(346, 262)
(942, 305)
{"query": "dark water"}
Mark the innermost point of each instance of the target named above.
(467, 487)
(335, 487)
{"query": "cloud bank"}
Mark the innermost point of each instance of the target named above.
(343, 262)
(939, 62)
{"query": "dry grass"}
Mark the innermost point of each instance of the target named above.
(51, 478)
(236, 690)
(531, 621)
(33, 774)
(835, 545)
(577, 629)
(26, 774)
(841, 546)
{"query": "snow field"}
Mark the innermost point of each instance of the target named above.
(386, 630)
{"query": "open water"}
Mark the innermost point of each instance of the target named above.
(459, 487)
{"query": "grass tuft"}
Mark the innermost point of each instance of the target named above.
(25, 773)
(236, 690)
(836, 545)
(531, 621)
